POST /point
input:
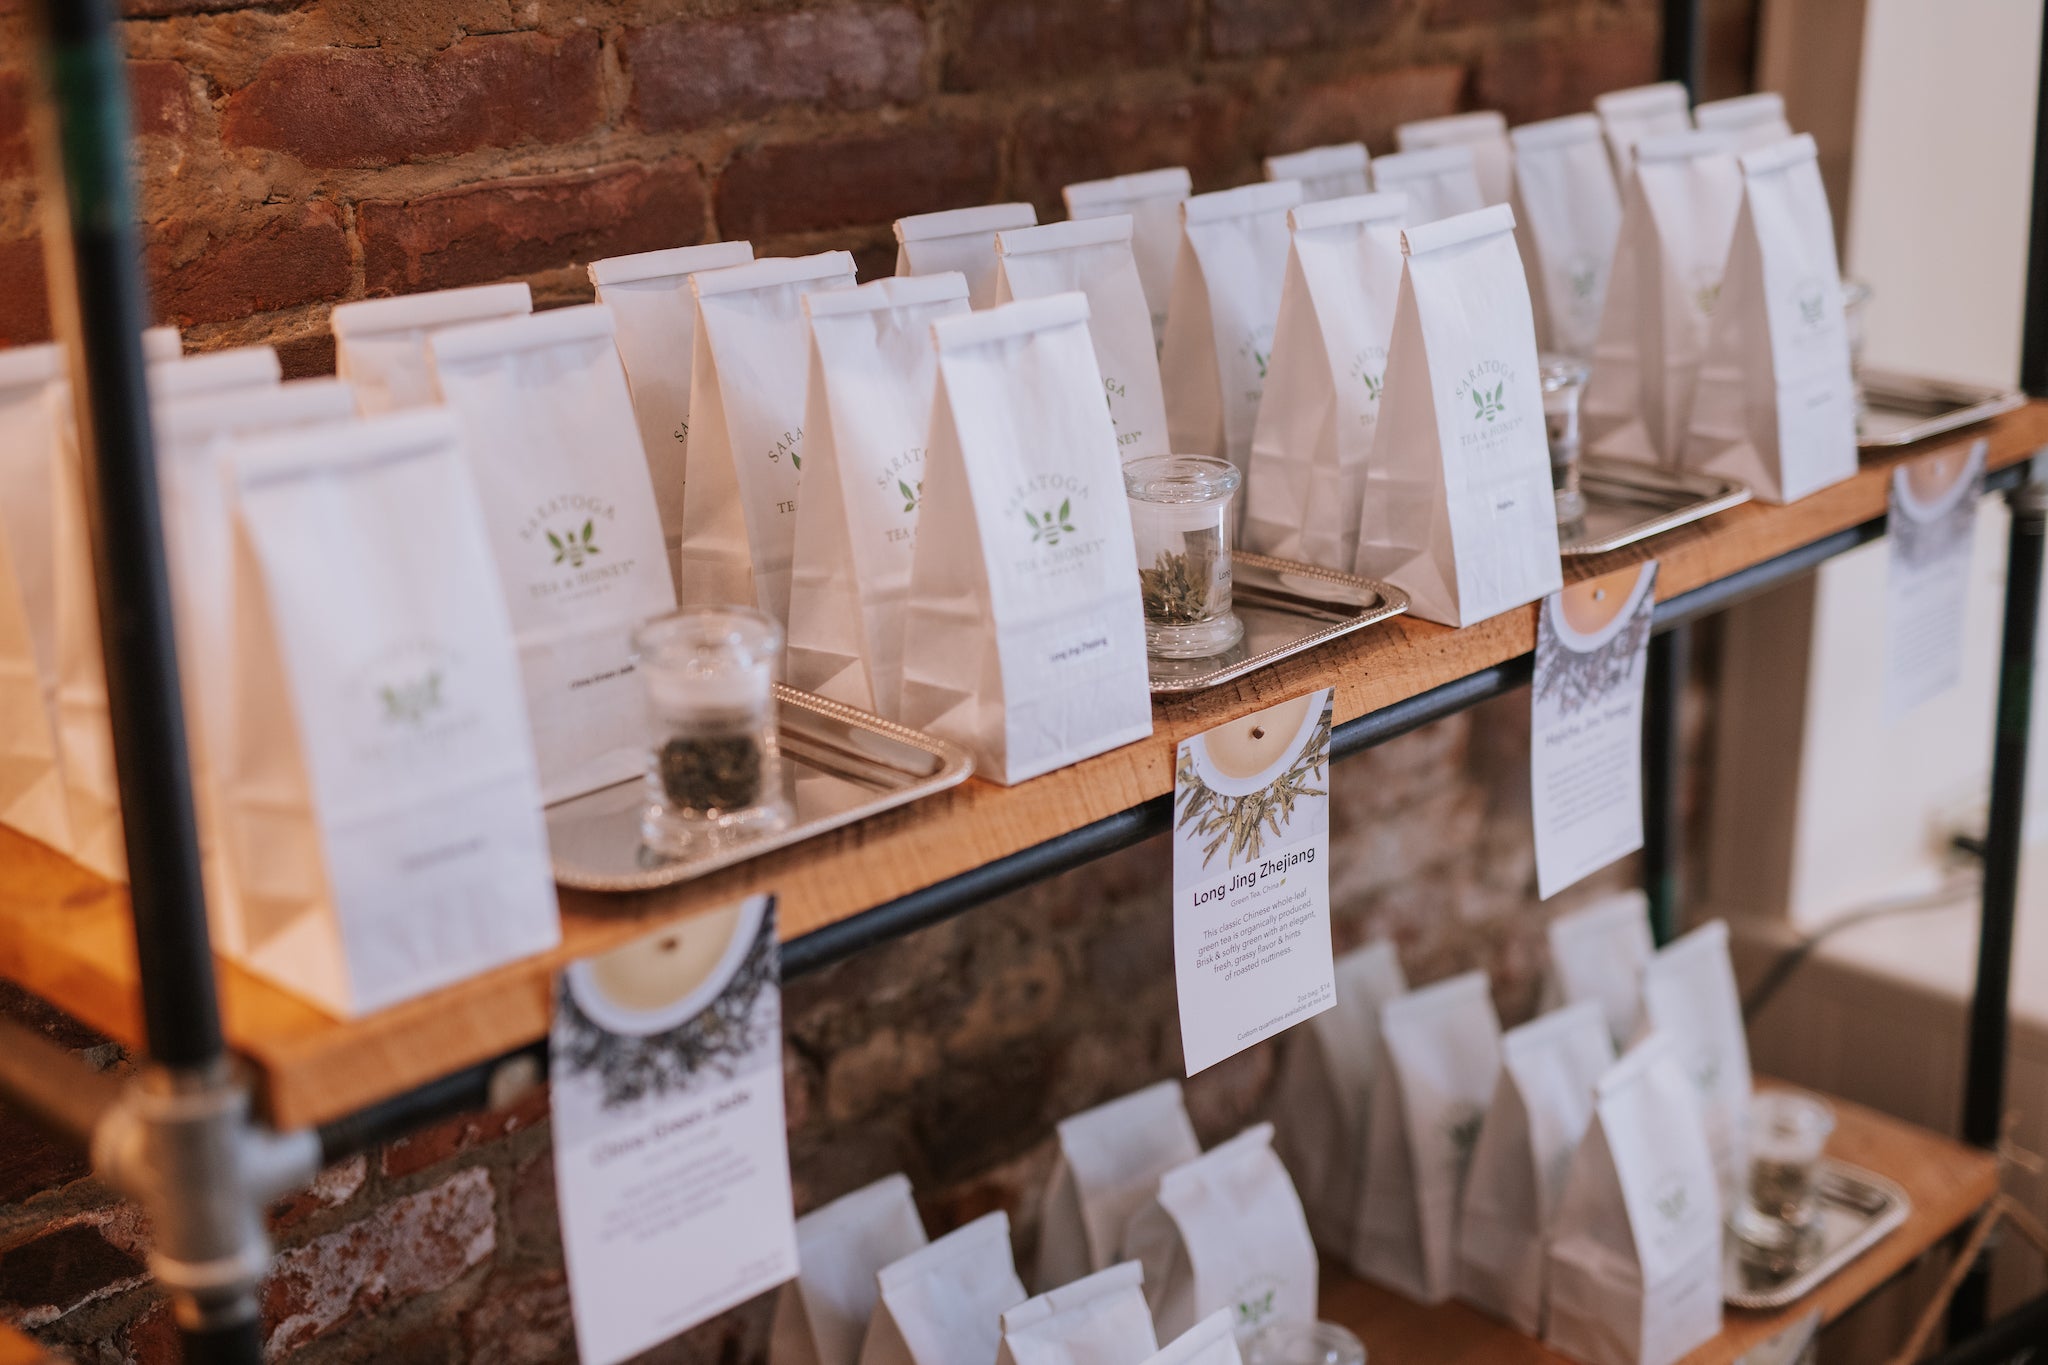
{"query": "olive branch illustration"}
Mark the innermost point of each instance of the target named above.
(1243, 823)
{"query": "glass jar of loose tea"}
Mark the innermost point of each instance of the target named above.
(1181, 520)
(1777, 1221)
(715, 772)
(1564, 384)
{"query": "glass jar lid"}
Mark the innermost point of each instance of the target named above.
(1560, 371)
(1181, 479)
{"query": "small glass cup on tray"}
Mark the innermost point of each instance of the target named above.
(1181, 520)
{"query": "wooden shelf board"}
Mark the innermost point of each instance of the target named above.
(1948, 1183)
(64, 934)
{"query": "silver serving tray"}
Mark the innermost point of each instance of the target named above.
(1857, 1209)
(1627, 502)
(839, 765)
(1286, 608)
(1900, 409)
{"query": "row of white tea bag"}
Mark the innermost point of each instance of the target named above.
(57, 793)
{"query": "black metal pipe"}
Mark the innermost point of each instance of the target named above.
(1684, 43)
(1663, 837)
(2034, 319)
(1984, 1063)
(97, 293)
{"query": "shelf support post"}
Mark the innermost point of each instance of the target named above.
(179, 1139)
(1663, 833)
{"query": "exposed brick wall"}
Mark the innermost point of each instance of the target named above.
(295, 153)
(299, 152)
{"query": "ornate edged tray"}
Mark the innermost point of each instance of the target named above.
(839, 765)
(1286, 608)
(1899, 409)
(1627, 502)
(1857, 1209)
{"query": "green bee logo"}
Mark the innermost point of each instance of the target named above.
(410, 703)
(1052, 525)
(912, 496)
(575, 547)
(1490, 405)
(1372, 385)
(1255, 1310)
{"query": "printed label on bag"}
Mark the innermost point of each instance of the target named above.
(1251, 878)
(1932, 528)
(1586, 735)
(671, 1150)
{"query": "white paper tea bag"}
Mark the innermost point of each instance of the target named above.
(1458, 506)
(1635, 1252)
(1219, 325)
(1110, 1160)
(549, 432)
(1755, 121)
(943, 1305)
(1677, 221)
(656, 320)
(1629, 116)
(1153, 200)
(85, 741)
(1568, 216)
(867, 413)
(1542, 1103)
(1332, 172)
(1321, 1097)
(1438, 1061)
(1441, 182)
(1025, 638)
(1314, 438)
(1095, 257)
(746, 450)
(31, 780)
(1776, 403)
(1100, 1319)
(821, 1315)
(1689, 996)
(962, 240)
(1485, 131)
(1598, 954)
(1226, 1231)
(380, 345)
(1209, 1342)
(193, 436)
(381, 800)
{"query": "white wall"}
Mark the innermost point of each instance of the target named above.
(1943, 177)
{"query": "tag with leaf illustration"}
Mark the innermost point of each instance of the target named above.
(1251, 878)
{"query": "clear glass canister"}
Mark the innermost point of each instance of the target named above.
(1304, 1343)
(715, 772)
(1776, 1223)
(1564, 385)
(1181, 520)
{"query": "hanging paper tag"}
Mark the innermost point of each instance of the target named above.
(671, 1152)
(1586, 730)
(1932, 530)
(1251, 878)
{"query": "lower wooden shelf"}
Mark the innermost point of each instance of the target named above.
(1947, 1181)
(65, 935)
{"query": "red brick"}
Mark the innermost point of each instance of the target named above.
(156, 9)
(48, 1276)
(330, 1189)
(31, 1161)
(206, 271)
(431, 1146)
(1202, 130)
(152, 1338)
(160, 98)
(1008, 42)
(306, 357)
(17, 153)
(516, 227)
(1240, 28)
(411, 1246)
(522, 1321)
(1456, 13)
(355, 107)
(853, 181)
(691, 72)
(1366, 106)
(1547, 77)
(24, 294)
